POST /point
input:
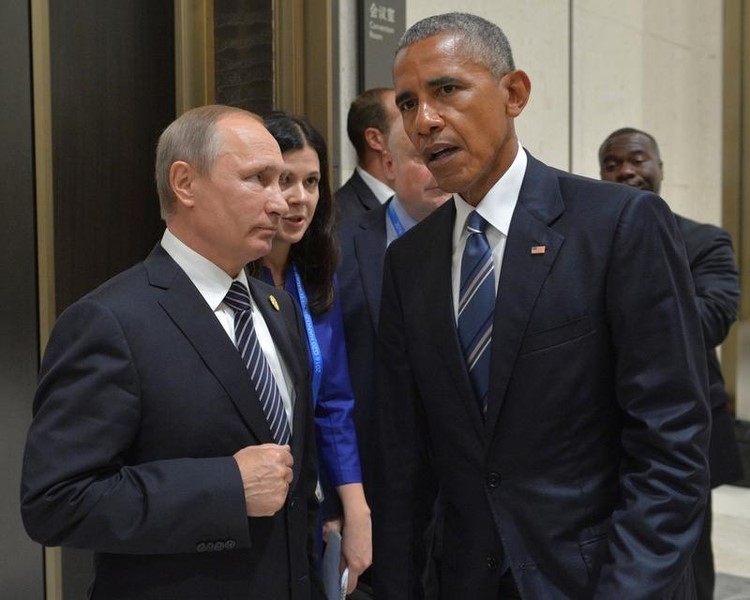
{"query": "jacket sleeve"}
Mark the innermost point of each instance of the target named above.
(661, 388)
(78, 487)
(717, 283)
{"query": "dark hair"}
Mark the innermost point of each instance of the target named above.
(316, 255)
(628, 131)
(367, 110)
(480, 40)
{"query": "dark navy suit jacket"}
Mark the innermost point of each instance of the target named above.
(588, 474)
(363, 243)
(142, 401)
(354, 198)
(717, 289)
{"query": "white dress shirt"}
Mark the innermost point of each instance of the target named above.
(213, 284)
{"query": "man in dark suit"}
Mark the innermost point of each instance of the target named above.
(368, 124)
(632, 157)
(569, 449)
(149, 443)
(363, 243)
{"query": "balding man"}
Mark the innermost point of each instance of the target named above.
(172, 432)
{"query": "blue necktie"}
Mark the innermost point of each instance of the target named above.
(476, 306)
(238, 299)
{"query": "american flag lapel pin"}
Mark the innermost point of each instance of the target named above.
(538, 249)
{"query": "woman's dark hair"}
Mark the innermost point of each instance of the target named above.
(316, 255)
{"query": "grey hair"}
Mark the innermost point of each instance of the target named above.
(481, 41)
(192, 138)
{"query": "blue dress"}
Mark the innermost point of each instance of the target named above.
(334, 400)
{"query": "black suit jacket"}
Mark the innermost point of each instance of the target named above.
(354, 198)
(717, 289)
(360, 276)
(142, 401)
(588, 474)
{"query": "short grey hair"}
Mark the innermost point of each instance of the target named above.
(192, 138)
(482, 41)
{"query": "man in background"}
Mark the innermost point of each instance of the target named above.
(631, 156)
(172, 430)
(368, 124)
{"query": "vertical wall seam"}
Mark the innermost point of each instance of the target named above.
(570, 85)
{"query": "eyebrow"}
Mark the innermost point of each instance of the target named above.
(433, 83)
(441, 81)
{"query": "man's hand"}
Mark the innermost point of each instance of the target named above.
(266, 475)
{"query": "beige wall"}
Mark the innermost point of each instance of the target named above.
(597, 65)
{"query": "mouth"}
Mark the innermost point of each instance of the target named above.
(437, 153)
(295, 219)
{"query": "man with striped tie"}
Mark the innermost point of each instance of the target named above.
(172, 431)
(539, 361)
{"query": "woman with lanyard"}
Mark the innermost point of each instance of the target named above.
(303, 261)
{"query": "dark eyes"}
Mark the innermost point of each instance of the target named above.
(406, 105)
(443, 90)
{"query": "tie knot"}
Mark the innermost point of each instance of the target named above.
(476, 223)
(237, 298)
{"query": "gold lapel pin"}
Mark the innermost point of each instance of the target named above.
(274, 302)
(538, 249)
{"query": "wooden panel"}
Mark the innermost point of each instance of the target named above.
(112, 74)
(21, 566)
(243, 42)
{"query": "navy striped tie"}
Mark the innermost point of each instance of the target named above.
(238, 299)
(476, 306)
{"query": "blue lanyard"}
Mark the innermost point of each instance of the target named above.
(395, 221)
(312, 339)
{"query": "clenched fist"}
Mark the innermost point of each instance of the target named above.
(266, 475)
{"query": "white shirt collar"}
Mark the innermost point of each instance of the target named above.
(382, 191)
(212, 282)
(498, 204)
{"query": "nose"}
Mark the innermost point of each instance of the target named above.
(275, 203)
(627, 171)
(427, 119)
(295, 193)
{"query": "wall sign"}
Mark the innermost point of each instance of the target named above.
(382, 24)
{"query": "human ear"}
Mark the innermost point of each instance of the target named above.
(519, 88)
(181, 179)
(375, 139)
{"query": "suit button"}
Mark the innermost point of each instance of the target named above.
(200, 547)
(493, 480)
(218, 546)
(209, 546)
(491, 562)
(230, 545)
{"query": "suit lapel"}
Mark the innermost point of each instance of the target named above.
(523, 274)
(369, 250)
(365, 195)
(190, 313)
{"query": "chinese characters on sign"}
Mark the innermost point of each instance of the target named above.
(383, 23)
